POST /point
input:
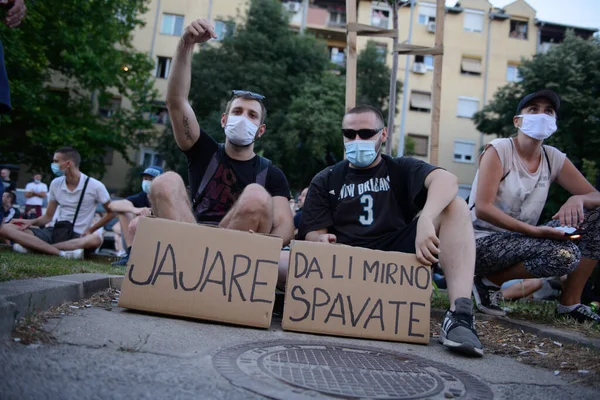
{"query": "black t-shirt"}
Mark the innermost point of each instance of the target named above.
(229, 180)
(368, 211)
(139, 200)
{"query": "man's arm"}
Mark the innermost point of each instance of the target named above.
(283, 221)
(185, 125)
(442, 188)
(103, 221)
(320, 235)
(122, 206)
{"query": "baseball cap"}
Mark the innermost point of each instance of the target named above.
(545, 93)
(152, 171)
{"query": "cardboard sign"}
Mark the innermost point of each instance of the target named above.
(351, 291)
(202, 272)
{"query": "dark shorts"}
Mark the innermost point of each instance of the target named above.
(45, 234)
(403, 240)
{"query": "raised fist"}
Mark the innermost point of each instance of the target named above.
(199, 31)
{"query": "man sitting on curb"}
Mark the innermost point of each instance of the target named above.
(407, 206)
(231, 186)
(133, 207)
(78, 195)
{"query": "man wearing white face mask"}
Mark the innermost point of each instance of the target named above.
(506, 201)
(130, 209)
(231, 186)
(396, 204)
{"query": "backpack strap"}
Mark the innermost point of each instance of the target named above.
(335, 181)
(548, 161)
(503, 177)
(263, 170)
(394, 174)
(208, 174)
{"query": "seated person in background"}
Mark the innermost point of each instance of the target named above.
(506, 201)
(382, 215)
(9, 199)
(299, 206)
(35, 193)
(72, 233)
(520, 288)
(132, 207)
(9, 184)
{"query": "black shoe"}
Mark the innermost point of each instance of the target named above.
(122, 262)
(489, 299)
(582, 313)
(458, 329)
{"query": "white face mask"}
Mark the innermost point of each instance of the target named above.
(240, 131)
(538, 126)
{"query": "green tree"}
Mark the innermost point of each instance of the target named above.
(571, 69)
(373, 79)
(83, 48)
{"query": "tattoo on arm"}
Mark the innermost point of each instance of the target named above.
(186, 128)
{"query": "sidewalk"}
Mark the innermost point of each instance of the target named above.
(125, 354)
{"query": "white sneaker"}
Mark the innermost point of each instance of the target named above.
(20, 249)
(73, 254)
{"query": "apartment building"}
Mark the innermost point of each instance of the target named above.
(483, 47)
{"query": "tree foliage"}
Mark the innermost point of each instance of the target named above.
(571, 69)
(82, 48)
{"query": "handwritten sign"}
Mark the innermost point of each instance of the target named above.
(202, 272)
(350, 291)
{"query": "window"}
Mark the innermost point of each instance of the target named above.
(421, 144)
(473, 21)
(470, 66)
(113, 105)
(427, 60)
(160, 114)
(518, 29)
(150, 157)
(513, 74)
(337, 55)
(172, 25)
(380, 18)
(420, 101)
(464, 151)
(337, 18)
(426, 13)
(163, 65)
(224, 29)
(382, 52)
(467, 106)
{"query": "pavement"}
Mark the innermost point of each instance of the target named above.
(126, 354)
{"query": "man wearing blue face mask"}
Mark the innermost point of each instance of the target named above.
(129, 210)
(397, 204)
(507, 199)
(231, 186)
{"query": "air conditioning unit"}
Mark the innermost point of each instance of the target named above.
(431, 26)
(419, 68)
(292, 6)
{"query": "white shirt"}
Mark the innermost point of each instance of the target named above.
(95, 193)
(35, 188)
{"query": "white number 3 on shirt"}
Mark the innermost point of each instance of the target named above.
(367, 219)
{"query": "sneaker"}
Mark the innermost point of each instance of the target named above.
(20, 249)
(582, 313)
(488, 298)
(458, 329)
(122, 262)
(73, 254)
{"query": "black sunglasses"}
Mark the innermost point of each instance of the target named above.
(362, 133)
(246, 93)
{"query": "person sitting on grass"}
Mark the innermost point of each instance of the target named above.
(78, 195)
(132, 208)
(506, 201)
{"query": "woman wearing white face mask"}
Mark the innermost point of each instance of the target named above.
(507, 199)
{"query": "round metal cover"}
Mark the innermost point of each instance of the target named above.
(306, 370)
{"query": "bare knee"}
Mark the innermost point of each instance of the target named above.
(457, 207)
(132, 228)
(255, 200)
(166, 186)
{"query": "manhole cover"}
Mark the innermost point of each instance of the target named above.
(303, 370)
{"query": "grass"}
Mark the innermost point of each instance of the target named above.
(23, 266)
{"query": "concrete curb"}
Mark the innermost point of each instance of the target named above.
(21, 297)
(562, 336)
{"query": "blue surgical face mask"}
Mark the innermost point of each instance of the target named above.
(36, 181)
(361, 153)
(56, 169)
(146, 186)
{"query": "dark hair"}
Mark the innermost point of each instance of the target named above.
(263, 109)
(70, 154)
(13, 198)
(361, 109)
